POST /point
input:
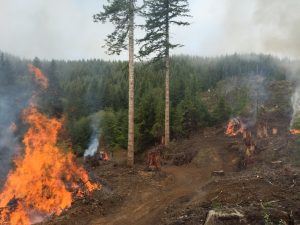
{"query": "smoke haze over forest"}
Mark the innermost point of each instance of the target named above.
(64, 29)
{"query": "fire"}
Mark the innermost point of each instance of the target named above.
(262, 130)
(230, 128)
(234, 127)
(275, 131)
(295, 131)
(46, 179)
(104, 156)
(39, 76)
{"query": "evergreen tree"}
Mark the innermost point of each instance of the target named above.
(37, 62)
(52, 97)
(160, 15)
(7, 75)
(121, 14)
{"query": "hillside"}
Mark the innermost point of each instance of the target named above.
(265, 191)
(252, 175)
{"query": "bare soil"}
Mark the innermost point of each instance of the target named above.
(183, 192)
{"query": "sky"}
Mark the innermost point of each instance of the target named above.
(64, 29)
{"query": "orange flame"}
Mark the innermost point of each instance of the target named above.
(39, 76)
(230, 129)
(46, 179)
(105, 156)
(295, 131)
(232, 125)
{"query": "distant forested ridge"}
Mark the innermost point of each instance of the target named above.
(80, 91)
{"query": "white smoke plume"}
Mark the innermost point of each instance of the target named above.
(94, 142)
(293, 75)
(259, 26)
(93, 146)
(296, 105)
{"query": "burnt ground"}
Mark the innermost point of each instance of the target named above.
(266, 192)
(184, 191)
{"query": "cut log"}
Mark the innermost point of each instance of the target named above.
(219, 173)
(224, 217)
(279, 162)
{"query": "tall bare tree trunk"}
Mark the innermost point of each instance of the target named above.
(130, 147)
(167, 88)
(167, 103)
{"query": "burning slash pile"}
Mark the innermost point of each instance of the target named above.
(45, 180)
(295, 131)
(234, 127)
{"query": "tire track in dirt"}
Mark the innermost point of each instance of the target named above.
(145, 207)
(184, 184)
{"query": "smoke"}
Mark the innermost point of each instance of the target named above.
(49, 29)
(278, 23)
(12, 101)
(256, 91)
(93, 146)
(293, 72)
(260, 26)
(296, 105)
(94, 142)
(265, 26)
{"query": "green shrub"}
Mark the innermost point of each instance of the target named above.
(80, 132)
